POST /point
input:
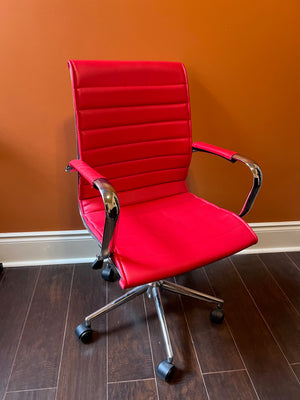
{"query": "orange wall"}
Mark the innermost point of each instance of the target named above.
(243, 64)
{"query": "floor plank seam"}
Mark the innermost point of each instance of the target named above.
(292, 261)
(278, 285)
(231, 334)
(131, 381)
(65, 330)
(30, 390)
(150, 344)
(225, 371)
(22, 331)
(193, 344)
(242, 359)
(266, 323)
(2, 276)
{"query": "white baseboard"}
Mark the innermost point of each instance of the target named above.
(69, 247)
(274, 237)
(45, 248)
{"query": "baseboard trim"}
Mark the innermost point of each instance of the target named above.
(47, 248)
(70, 247)
(274, 237)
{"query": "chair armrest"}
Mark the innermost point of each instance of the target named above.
(209, 148)
(233, 157)
(109, 198)
(87, 172)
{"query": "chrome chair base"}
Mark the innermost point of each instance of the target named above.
(165, 369)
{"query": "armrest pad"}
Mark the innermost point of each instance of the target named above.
(85, 170)
(209, 148)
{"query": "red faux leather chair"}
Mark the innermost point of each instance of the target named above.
(134, 150)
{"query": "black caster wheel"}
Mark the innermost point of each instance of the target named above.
(165, 370)
(108, 274)
(84, 333)
(97, 264)
(217, 315)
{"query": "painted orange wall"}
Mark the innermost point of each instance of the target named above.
(243, 64)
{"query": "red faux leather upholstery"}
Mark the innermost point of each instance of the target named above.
(219, 151)
(134, 129)
(133, 121)
(87, 172)
(172, 235)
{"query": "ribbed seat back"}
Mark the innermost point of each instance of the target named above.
(133, 126)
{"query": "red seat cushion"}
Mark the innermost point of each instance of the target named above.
(169, 236)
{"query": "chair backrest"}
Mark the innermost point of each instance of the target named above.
(133, 126)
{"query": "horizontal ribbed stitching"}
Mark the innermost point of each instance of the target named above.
(156, 175)
(175, 121)
(134, 143)
(132, 86)
(126, 134)
(135, 124)
(120, 192)
(154, 141)
(139, 159)
(126, 156)
(140, 174)
(133, 105)
(112, 96)
(164, 105)
(89, 119)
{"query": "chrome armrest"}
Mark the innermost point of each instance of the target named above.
(109, 198)
(112, 211)
(233, 157)
(257, 182)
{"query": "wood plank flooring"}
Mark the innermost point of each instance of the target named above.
(254, 354)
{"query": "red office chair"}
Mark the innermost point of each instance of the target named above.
(134, 147)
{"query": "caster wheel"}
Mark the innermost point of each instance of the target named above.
(217, 315)
(97, 264)
(84, 333)
(108, 274)
(165, 370)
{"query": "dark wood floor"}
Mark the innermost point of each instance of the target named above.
(254, 354)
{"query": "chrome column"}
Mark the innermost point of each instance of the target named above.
(162, 320)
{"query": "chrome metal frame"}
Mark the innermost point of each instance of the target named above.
(184, 291)
(112, 211)
(131, 294)
(257, 182)
(153, 290)
(257, 179)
